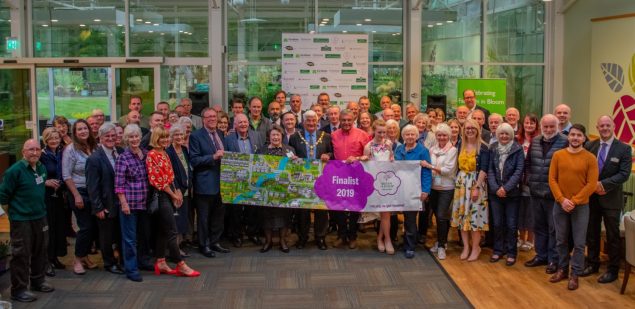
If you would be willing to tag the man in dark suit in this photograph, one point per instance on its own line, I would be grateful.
(614, 162)
(333, 114)
(156, 120)
(100, 183)
(243, 218)
(206, 152)
(479, 117)
(469, 98)
(311, 144)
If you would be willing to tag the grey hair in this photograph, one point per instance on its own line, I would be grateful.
(309, 113)
(130, 130)
(443, 128)
(409, 127)
(176, 128)
(105, 128)
(184, 120)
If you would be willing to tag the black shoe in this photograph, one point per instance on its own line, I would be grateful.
(589, 270)
(301, 244)
(266, 247)
(552, 268)
(24, 297)
(284, 248)
(237, 242)
(495, 258)
(114, 269)
(44, 287)
(535, 262)
(321, 244)
(218, 248)
(608, 277)
(510, 261)
(50, 272)
(136, 277)
(57, 264)
(255, 239)
(207, 252)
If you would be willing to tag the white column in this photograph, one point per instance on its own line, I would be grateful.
(412, 53)
(217, 47)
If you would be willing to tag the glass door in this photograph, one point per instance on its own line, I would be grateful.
(138, 81)
(16, 121)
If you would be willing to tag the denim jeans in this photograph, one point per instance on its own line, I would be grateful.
(576, 221)
(86, 222)
(128, 225)
(544, 230)
(410, 227)
(505, 215)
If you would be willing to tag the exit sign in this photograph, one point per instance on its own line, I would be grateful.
(12, 44)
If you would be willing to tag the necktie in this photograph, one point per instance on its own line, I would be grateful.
(602, 156)
(217, 144)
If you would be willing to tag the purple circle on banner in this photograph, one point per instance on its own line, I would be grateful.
(344, 186)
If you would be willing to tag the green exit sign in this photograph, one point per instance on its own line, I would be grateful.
(12, 44)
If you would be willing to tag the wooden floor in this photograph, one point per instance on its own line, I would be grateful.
(489, 285)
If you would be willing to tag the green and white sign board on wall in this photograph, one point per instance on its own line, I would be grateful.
(490, 93)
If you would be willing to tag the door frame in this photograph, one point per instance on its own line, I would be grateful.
(113, 80)
(31, 67)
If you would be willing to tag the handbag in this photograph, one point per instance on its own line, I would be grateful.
(153, 202)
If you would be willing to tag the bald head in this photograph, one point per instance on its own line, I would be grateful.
(563, 113)
(605, 127)
(31, 151)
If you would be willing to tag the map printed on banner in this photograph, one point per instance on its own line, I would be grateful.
(333, 63)
(274, 181)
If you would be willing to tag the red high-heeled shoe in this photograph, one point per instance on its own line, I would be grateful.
(158, 270)
(180, 273)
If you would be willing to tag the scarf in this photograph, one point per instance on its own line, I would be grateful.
(503, 152)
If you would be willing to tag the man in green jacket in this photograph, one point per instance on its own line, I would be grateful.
(22, 191)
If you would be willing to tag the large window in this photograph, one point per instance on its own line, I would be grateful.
(5, 29)
(78, 28)
(168, 28)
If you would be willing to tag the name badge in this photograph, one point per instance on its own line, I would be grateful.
(39, 180)
(615, 160)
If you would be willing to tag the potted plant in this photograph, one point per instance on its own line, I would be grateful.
(5, 248)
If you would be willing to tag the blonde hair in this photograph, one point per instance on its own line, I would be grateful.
(378, 123)
(48, 134)
(157, 134)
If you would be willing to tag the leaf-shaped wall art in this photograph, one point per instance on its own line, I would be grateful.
(631, 72)
(624, 119)
(614, 75)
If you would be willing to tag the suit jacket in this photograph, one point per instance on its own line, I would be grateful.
(299, 146)
(182, 179)
(487, 113)
(486, 135)
(206, 169)
(327, 128)
(616, 170)
(100, 182)
(256, 141)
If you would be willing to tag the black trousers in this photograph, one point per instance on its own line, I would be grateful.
(166, 230)
(441, 205)
(611, 218)
(243, 220)
(86, 222)
(28, 249)
(109, 235)
(321, 223)
(347, 224)
(210, 215)
(145, 238)
(56, 213)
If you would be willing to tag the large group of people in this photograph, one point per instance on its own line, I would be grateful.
(144, 190)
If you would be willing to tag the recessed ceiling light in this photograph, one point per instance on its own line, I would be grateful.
(322, 25)
(397, 33)
(325, 19)
(139, 19)
(162, 33)
(374, 31)
(119, 25)
(151, 31)
(450, 21)
(430, 26)
(359, 25)
(54, 20)
(180, 31)
(367, 19)
(45, 25)
(344, 31)
(155, 24)
(82, 25)
(189, 33)
(96, 20)
(148, 22)
(439, 24)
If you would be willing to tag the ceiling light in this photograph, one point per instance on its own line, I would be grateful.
(312, 32)
(374, 31)
(397, 33)
(325, 19)
(430, 26)
(322, 25)
(449, 21)
(151, 31)
(148, 22)
(344, 31)
(119, 25)
(162, 33)
(367, 19)
(139, 19)
(96, 20)
(45, 25)
(155, 24)
(439, 24)
(82, 25)
(180, 31)
(54, 20)
(358, 25)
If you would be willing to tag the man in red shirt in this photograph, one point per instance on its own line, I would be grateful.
(348, 145)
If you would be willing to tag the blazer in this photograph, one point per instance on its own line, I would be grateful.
(182, 180)
(206, 169)
(100, 182)
(255, 139)
(298, 145)
(616, 171)
(487, 113)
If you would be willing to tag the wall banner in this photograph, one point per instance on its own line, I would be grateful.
(490, 93)
(274, 181)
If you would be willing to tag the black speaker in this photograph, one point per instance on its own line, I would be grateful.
(437, 101)
(200, 100)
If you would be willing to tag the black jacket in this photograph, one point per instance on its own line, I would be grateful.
(538, 168)
(182, 180)
(616, 171)
(100, 182)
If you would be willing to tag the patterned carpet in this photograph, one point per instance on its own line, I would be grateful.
(245, 278)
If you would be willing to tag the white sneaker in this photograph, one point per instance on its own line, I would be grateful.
(441, 253)
(435, 247)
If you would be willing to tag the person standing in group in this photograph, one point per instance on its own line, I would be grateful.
(100, 183)
(539, 159)
(470, 208)
(365, 123)
(348, 145)
(22, 191)
(206, 150)
(180, 160)
(380, 149)
(197, 122)
(573, 177)
(443, 167)
(469, 98)
(526, 133)
(310, 144)
(56, 213)
(161, 178)
(606, 204)
(74, 174)
(131, 187)
(257, 122)
(504, 177)
(411, 150)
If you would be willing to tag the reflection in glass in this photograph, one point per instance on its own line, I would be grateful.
(5, 29)
(134, 81)
(185, 81)
(524, 86)
(385, 81)
(78, 28)
(254, 80)
(169, 28)
(442, 80)
(72, 93)
(15, 112)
